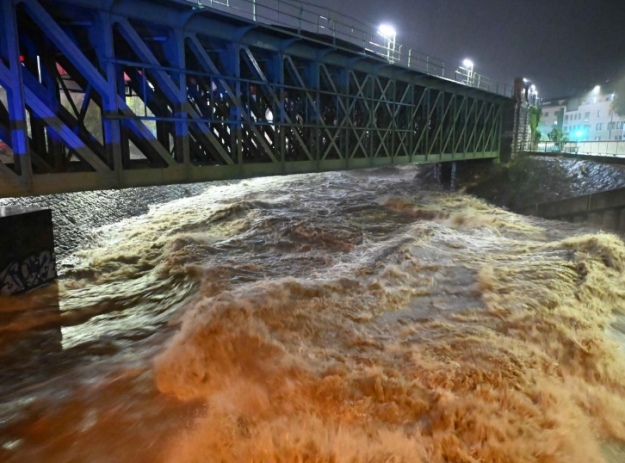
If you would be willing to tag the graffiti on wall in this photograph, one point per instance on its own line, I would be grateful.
(29, 273)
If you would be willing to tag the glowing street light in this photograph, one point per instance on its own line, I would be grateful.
(386, 30)
(533, 96)
(468, 65)
(390, 34)
(597, 89)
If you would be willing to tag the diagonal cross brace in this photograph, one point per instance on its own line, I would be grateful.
(254, 65)
(210, 67)
(61, 40)
(168, 87)
(49, 117)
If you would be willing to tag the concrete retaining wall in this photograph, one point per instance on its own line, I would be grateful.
(605, 209)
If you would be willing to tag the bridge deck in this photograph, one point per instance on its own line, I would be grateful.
(137, 92)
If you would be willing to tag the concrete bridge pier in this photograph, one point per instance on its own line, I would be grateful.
(27, 257)
(447, 173)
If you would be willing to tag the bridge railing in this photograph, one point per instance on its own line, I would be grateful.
(303, 17)
(587, 148)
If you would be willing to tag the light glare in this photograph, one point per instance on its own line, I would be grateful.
(386, 30)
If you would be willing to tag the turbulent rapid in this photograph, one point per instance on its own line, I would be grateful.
(329, 318)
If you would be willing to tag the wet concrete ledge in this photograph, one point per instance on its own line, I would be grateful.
(607, 159)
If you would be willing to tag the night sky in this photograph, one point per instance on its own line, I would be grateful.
(563, 46)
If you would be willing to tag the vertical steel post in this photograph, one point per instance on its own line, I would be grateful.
(15, 93)
(232, 62)
(110, 122)
(313, 82)
(176, 51)
(394, 133)
(48, 77)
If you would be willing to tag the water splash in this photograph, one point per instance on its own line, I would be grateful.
(338, 318)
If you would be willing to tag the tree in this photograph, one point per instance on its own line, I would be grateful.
(534, 117)
(558, 138)
(618, 105)
(537, 136)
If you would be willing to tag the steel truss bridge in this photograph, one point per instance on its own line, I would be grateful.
(120, 93)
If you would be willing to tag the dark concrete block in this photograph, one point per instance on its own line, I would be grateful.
(27, 257)
(610, 219)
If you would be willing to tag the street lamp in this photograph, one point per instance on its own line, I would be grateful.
(596, 91)
(533, 95)
(389, 33)
(468, 65)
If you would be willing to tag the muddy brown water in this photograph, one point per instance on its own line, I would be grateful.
(339, 317)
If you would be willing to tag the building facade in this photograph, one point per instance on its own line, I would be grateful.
(587, 117)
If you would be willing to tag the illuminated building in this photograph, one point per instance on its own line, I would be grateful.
(585, 117)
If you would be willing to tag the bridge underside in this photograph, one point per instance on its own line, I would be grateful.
(136, 92)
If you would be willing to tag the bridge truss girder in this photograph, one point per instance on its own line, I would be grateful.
(132, 92)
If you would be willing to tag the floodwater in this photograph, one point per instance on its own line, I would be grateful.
(340, 318)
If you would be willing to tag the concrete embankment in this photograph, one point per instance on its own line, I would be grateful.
(563, 188)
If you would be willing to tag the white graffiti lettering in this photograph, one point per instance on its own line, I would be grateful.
(27, 274)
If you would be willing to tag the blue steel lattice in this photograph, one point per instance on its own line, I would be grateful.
(137, 92)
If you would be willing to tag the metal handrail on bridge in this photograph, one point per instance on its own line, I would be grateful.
(304, 17)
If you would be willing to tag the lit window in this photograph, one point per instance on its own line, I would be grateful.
(598, 113)
(599, 126)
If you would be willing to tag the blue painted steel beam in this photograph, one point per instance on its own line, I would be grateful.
(209, 66)
(61, 40)
(15, 93)
(267, 100)
(111, 126)
(63, 131)
(174, 94)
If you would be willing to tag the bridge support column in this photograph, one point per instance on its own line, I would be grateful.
(447, 173)
(515, 130)
(26, 249)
